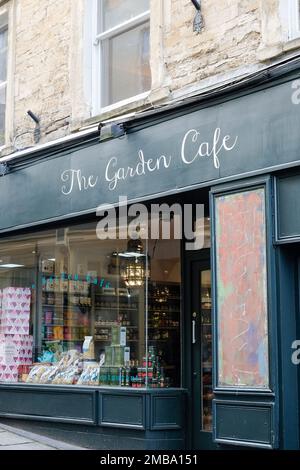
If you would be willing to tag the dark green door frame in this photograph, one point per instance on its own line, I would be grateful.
(194, 263)
(288, 265)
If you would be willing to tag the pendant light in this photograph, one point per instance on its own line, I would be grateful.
(133, 264)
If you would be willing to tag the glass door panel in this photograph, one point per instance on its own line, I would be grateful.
(201, 340)
(206, 351)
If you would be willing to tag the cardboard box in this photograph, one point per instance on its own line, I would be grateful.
(15, 343)
(15, 350)
(118, 335)
(8, 373)
(15, 312)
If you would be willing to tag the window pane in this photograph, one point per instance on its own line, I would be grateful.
(2, 113)
(206, 351)
(90, 297)
(126, 65)
(164, 305)
(17, 307)
(75, 312)
(114, 12)
(91, 307)
(3, 54)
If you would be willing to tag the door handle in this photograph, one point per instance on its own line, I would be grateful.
(193, 332)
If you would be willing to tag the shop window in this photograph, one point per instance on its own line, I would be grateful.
(121, 57)
(3, 73)
(76, 310)
(164, 305)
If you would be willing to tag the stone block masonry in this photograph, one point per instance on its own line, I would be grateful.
(51, 72)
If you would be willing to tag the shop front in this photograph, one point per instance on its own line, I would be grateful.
(169, 341)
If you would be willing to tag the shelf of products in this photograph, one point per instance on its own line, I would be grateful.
(66, 312)
(71, 369)
(102, 331)
(116, 325)
(164, 325)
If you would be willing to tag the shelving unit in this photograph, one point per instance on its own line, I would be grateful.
(68, 316)
(116, 310)
(164, 326)
(66, 311)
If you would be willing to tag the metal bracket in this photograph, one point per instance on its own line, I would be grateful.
(197, 4)
(37, 130)
(198, 20)
(4, 169)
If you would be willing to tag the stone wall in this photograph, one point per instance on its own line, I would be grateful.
(50, 65)
(42, 82)
(229, 40)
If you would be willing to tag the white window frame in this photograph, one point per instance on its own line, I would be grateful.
(4, 85)
(293, 19)
(97, 107)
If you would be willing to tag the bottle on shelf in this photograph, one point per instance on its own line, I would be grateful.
(127, 375)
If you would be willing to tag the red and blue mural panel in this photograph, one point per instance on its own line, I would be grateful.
(242, 307)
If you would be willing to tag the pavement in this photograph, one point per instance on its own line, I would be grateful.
(12, 438)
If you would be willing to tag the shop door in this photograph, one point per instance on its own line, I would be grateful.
(201, 321)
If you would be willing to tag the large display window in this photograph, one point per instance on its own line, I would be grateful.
(76, 310)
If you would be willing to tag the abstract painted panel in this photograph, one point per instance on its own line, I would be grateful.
(241, 290)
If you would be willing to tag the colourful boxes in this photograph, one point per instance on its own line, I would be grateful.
(15, 343)
(15, 312)
(15, 349)
(118, 335)
(8, 373)
(114, 355)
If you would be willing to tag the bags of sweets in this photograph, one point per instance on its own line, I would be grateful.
(90, 375)
(49, 375)
(67, 376)
(36, 372)
(69, 358)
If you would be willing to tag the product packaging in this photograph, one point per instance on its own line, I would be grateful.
(36, 373)
(8, 373)
(15, 313)
(118, 335)
(88, 348)
(16, 349)
(90, 375)
(104, 375)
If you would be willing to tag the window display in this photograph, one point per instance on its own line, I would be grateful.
(16, 344)
(76, 310)
(164, 328)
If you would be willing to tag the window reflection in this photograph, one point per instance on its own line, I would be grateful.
(89, 312)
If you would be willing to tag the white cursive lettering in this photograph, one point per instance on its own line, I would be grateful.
(192, 149)
(74, 178)
(114, 175)
(205, 149)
